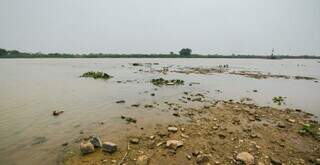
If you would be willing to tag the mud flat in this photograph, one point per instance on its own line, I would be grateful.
(218, 132)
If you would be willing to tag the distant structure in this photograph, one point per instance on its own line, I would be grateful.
(272, 54)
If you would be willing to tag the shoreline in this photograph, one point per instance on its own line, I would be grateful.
(217, 133)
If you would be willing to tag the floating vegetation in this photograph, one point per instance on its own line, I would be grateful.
(96, 75)
(310, 129)
(278, 100)
(161, 81)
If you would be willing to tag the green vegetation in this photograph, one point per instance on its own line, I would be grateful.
(16, 54)
(161, 81)
(278, 100)
(96, 75)
(185, 52)
(310, 129)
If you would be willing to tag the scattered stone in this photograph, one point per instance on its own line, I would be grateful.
(172, 129)
(245, 158)
(65, 144)
(86, 147)
(57, 113)
(291, 120)
(203, 158)
(142, 160)
(129, 119)
(96, 141)
(134, 140)
(174, 144)
(281, 125)
(176, 114)
(148, 106)
(109, 147)
(152, 94)
(120, 101)
(275, 161)
(135, 105)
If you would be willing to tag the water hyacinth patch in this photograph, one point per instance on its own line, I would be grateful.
(96, 75)
(161, 81)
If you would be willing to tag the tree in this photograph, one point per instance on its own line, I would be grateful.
(3, 52)
(185, 52)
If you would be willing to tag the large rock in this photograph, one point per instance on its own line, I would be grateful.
(86, 147)
(174, 144)
(96, 141)
(246, 158)
(109, 147)
(142, 160)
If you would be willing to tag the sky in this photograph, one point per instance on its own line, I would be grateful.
(161, 26)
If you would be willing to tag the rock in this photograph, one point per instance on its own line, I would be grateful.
(142, 160)
(202, 158)
(245, 158)
(176, 114)
(317, 161)
(96, 141)
(275, 161)
(65, 144)
(152, 94)
(291, 120)
(109, 147)
(184, 135)
(148, 106)
(134, 140)
(172, 129)
(129, 119)
(120, 101)
(174, 144)
(57, 113)
(281, 125)
(260, 163)
(188, 156)
(86, 147)
(135, 105)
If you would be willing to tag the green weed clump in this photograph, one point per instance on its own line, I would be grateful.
(310, 129)
(278, 100)
(96, 75)
(161, 81)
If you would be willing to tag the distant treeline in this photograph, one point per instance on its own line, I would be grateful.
(16, 54)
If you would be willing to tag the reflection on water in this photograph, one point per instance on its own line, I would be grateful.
(30, 89)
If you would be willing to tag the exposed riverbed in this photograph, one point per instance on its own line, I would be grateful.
(31, 89)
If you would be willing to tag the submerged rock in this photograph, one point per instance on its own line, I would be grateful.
(96, 141)
(245, 158)
(86, 147)
(109, 147)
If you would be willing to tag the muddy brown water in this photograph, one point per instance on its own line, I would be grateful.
(30, 89)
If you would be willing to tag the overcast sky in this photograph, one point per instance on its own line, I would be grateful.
(161, 26)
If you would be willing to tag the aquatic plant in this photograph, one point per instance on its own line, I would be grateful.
(96, 75)
(161, 81)
(278, 100)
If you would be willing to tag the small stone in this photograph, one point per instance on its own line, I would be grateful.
(135, 105)
(281, 125)
(120, 101)
(86, 147)
(291, 120)
(134, 140)
(246, 158)
(172, 129)
(152, 137)
(96, 141)
(152, 94)
(184, 135)
(176, 114)
(65, 144)
(57, 113)
(275, 161)
(188, 156)
(109, 147)
(130, 119)
(202, 158)
(142, 160)
(174, 144)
